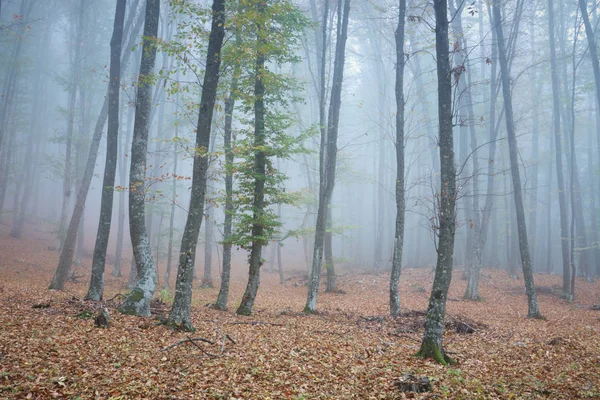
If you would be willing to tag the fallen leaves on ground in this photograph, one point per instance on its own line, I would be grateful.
(350, 349)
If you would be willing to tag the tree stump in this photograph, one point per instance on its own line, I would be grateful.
(102, 320)
(411, 383)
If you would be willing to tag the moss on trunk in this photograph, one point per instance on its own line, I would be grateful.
(430, 349)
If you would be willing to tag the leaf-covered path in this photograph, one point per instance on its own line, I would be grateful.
(351, 349)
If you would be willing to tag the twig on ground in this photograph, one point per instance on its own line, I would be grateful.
(189, 339)
(230, 339)
(253, 323)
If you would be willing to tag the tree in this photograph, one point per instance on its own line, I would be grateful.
(114, 86)
(223, 296)
(260, 164)
(431, 346)
(533, 308)
(400, 202)
(564, 232)
(66, 255)
(180, 312)
(138, 301)
(328, 159)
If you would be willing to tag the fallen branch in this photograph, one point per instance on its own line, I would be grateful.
(230, 339)
(253, 323)
(189, 339)
(115, 296)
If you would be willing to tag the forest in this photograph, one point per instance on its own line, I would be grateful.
(303, 199)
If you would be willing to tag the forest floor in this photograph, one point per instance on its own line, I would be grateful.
(350, 349)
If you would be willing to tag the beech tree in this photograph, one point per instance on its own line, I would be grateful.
(138, 301)
(431, 346)
(180, 312)
(110, 171)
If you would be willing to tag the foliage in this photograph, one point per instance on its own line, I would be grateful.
(285, 25)
(343, 353)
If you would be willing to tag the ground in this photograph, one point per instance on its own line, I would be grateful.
(350, 349)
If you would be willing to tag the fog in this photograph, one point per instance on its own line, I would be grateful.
(54, 73)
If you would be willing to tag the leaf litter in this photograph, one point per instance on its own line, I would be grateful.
(350, 349)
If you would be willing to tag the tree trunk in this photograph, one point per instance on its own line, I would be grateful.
(328, 252)
(117, 267)
(96, 288)
(39, 101)
(431, 346)
(138, 302)
(223, 296)
(66, 255)
(173, 203)
(255, 259)
(593, 55)
(533, 308)
(564, 232)
(180, 312)
(328, 162)
(399, 145)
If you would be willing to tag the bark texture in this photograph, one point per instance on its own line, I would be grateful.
(533, 307)
(138, 301)
(96, 288)
(431, 346)
(329, 157)
(180, 312)
(400, 200)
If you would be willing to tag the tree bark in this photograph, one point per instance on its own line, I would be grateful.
(180, 312)
(117, 267)
(431, 346)
(533, 308)
(399, 146)
(66, 256)
(96, 288)
(223, 296)
(329, 162)
(260, 160)
(564, 232)
(138, 301)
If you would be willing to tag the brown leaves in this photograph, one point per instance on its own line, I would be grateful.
(350, 349)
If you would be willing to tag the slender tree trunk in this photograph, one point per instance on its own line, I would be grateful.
(593, 56)
(223, 296)
(117, 267)
(399, 146)
(260, 161)
(533, 308)
(7, 103)
(328, 252)
(592, 195)
(173, 203)
(208, 246)
(329, 163)
(66, 256)
(431, 346)
(180, 312)
(96, 288)
(39, 100)
(564, 232)
(138, 301)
